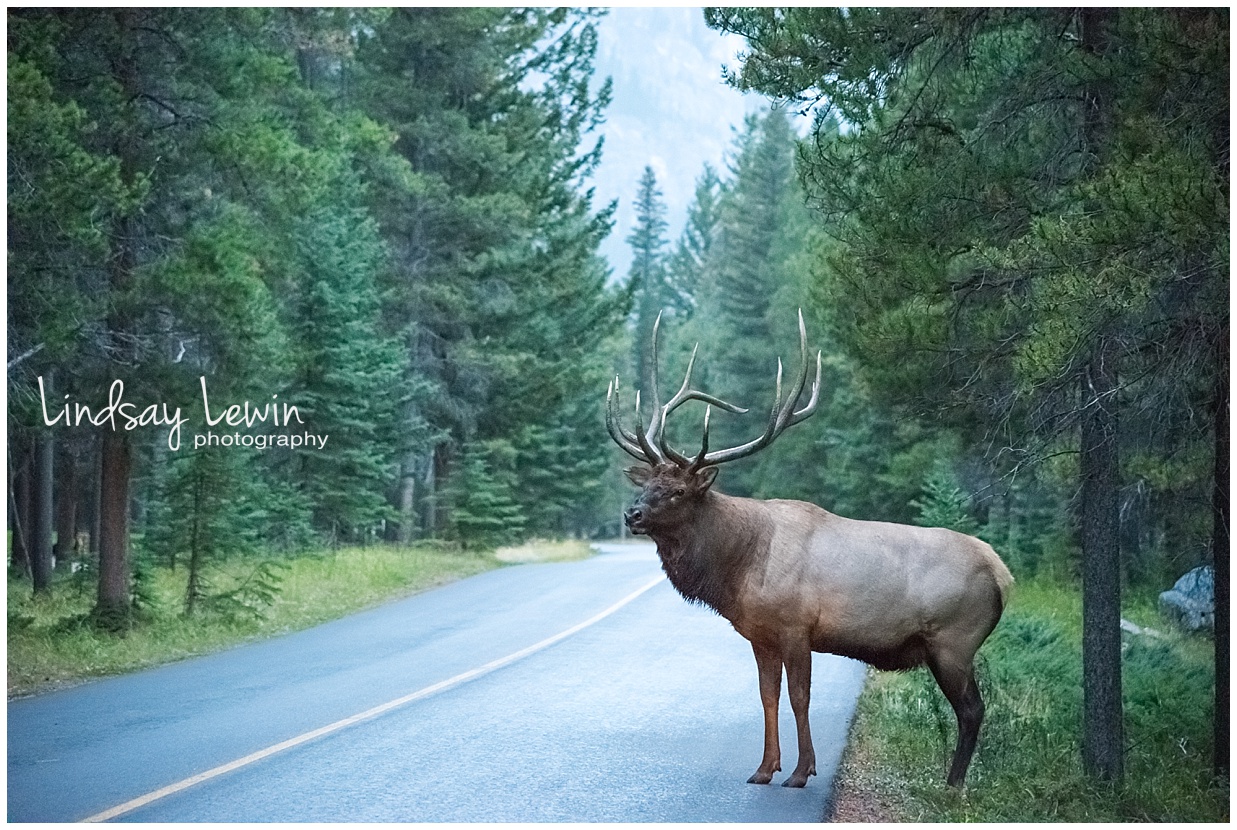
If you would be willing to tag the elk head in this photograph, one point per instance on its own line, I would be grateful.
(673, 483)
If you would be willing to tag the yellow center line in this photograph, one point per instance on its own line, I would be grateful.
(420, 694)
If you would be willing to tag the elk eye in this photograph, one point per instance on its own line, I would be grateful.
(679, 493)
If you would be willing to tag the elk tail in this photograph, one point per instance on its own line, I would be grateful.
(1000, 574)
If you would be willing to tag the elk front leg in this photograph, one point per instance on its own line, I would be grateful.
(769, 668)
(799, 681)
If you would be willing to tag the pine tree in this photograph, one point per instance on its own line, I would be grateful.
(484, 513)
(693, 255)
(208, 509)
(752, 219)
(347, 385)
(152, 83)
(755, 244)
(647, 279)
(944, 503)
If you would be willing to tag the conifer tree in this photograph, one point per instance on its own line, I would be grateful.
(347, 382)
(483, 510)
(694, 253)
(750, 267)
(647, 280)
(943, 503)
(209, 508)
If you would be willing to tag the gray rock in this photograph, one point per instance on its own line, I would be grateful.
(1191, 601)
(1138, 631)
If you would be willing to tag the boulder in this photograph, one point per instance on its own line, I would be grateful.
(1191, 601)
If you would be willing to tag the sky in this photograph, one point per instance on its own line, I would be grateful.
(671, 110)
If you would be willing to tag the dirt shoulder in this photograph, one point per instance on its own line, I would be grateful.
(857, 793)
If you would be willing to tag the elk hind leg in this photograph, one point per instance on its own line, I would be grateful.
(769, 668)
(956, 677)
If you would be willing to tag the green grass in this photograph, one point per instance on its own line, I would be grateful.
(50, 645)
(1028, 767)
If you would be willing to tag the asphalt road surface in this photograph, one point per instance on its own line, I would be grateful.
(586, 691)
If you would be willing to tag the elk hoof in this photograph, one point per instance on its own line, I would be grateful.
(760, 777)
(798, 779)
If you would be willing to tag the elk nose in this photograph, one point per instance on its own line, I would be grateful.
(632, 515)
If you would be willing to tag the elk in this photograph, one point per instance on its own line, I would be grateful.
(793, 578)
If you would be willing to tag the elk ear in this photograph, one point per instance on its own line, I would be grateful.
(638, 476)
(704, 479)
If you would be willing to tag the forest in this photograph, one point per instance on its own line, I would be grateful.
(286, 279)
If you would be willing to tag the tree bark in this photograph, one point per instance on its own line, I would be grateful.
(116, 454)
(19, 504)
(193, 589)
(1103, 736)
(96, 497)
(66, 503)
(1220, 554)
(112, 607)
(407, 499)
(40, 541)
(431, 507)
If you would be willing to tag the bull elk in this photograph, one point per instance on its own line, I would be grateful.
(794, 578)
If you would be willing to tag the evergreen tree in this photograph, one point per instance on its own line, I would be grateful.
(748, 311)
(155, 85)
(693, 255)
(943, 503)
(347, 381)
(751, 220)
(484, 513)
(209, 509)
(217, 153)
(238, 195)
(648, 278)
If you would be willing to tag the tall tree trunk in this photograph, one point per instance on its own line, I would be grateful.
(41, 513)
(1103, 734)
(1220, 554)
(407, 499)
(116, 455)
(193, 590)
(1102, 750)
(96, 497)
(112, 607)
(19, 506)
(66, 503)
(431, 506)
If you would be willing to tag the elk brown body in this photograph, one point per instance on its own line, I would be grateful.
(793, 578)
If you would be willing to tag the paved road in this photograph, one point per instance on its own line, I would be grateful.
(650, 712)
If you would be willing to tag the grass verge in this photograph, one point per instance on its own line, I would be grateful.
(544, 550)
(1028, 767)
(50, 644)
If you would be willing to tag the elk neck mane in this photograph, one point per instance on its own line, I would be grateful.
(704, 559)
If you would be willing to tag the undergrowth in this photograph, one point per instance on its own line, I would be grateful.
(1028, 767)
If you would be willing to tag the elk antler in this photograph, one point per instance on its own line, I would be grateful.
(783, 415)
(651, 446)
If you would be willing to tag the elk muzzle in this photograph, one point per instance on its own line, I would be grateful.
(634, 517)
